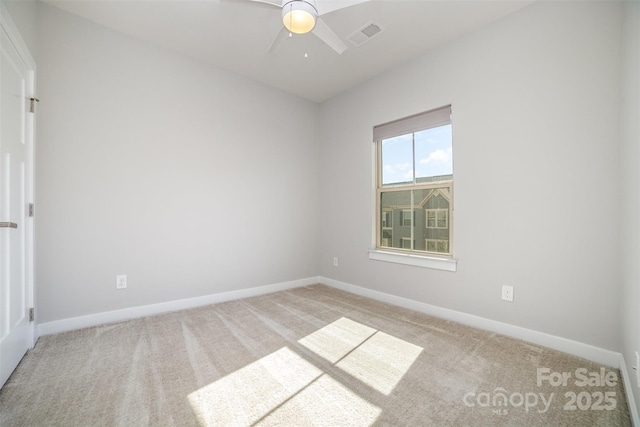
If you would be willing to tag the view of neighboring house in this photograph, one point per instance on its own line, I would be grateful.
(418, 219)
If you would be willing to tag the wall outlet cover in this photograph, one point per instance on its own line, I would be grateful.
(507, 293)
(121, 281)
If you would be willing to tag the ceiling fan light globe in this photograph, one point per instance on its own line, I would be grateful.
(299, 16)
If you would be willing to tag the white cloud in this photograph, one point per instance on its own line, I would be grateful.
(398, 168)
(403, 166)
(438, 157)
(398, 172)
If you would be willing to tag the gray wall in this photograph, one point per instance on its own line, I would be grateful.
(535, 101)
(153, 164)
(630, 189)
(24, 15)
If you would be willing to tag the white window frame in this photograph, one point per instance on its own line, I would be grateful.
(379, 252)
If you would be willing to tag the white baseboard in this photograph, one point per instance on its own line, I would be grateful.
(628, 389)
(586, 351)
(80, 322)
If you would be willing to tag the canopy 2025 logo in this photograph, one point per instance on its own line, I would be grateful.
(582, 377)
(500, 401)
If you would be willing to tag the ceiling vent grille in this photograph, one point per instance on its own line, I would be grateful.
(364, 34)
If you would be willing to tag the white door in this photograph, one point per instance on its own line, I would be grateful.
(16, 191)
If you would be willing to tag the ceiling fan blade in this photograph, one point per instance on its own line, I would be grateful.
(276, 3)
(264, 3)
(327, 6)
(277, 42)
(327, 35)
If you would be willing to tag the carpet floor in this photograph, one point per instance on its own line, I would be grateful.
(310, 356)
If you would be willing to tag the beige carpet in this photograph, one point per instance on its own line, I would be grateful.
(308, 356)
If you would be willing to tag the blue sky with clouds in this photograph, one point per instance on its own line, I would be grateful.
(433, 155)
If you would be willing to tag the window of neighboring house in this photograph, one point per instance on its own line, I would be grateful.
(434, 245)
(414, 180)
(387, 219)
(407, 243)
(407, 217)
(437, 218)
(387, 239)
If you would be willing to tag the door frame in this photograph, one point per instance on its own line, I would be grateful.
(8, 26)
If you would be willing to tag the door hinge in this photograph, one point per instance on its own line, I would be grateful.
(32, 314)
(32, 106)
(31, 209)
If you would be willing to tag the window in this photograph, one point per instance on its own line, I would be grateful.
(407, 243)
(386, 240)
(437, 218)
(414, 181)
(437, 245)
(387, 219)
(407, 217)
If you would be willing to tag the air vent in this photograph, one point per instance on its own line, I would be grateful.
(365, 34)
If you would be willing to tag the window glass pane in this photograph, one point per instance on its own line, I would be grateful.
(440, 246)
(420, 196)
(386, 239)
(431, 218)
(407, 217)
(442, 218)
(435, 235)
(387, 219)
(397, 160)
(395, 205)
(433, 160)
(421, 219)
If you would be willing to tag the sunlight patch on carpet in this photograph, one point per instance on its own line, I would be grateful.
(283, 388)
(325, 402)
(247, 395)
(378, 359)
(337, 339)
(280, 389)
(381, 361)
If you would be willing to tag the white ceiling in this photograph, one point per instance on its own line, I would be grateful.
(236, 35)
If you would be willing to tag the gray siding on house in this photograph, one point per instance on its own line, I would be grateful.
(398, 225)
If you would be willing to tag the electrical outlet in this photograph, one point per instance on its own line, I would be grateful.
(121, 281)
(335, 261)
(507, 293)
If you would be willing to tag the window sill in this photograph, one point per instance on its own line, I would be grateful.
(447, 264)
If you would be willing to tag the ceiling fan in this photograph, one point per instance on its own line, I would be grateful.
(303, 16)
